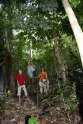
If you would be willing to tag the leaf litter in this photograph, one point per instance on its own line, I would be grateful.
(16, 111)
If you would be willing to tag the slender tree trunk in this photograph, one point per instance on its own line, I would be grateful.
(59, 58)
(10, 73)
(9, 63)
(75, 27)
(58, 55)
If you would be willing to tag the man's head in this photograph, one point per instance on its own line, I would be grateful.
(20, 71)
(42, 69)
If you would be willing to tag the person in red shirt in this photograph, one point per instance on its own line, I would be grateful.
(21, 83)
(43, 81)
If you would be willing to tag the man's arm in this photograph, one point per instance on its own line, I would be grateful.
(46, 76)
(17, 83)
(24, 78)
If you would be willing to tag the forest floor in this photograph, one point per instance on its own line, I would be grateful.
(16, 110)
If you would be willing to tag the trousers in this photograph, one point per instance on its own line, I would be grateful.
(19, 90)
(44, 85)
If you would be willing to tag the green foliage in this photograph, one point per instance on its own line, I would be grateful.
(8, 3)
(3, 102)
(75, 3)
(78, 13)
(50, 6)
(9, 94)
(68, 44)
(48, 109)
(67, 96)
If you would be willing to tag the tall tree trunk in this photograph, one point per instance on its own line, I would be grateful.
(75, 27)
(59, 58)
(9, 62)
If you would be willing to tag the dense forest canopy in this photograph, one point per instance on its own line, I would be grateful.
(31, 27)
